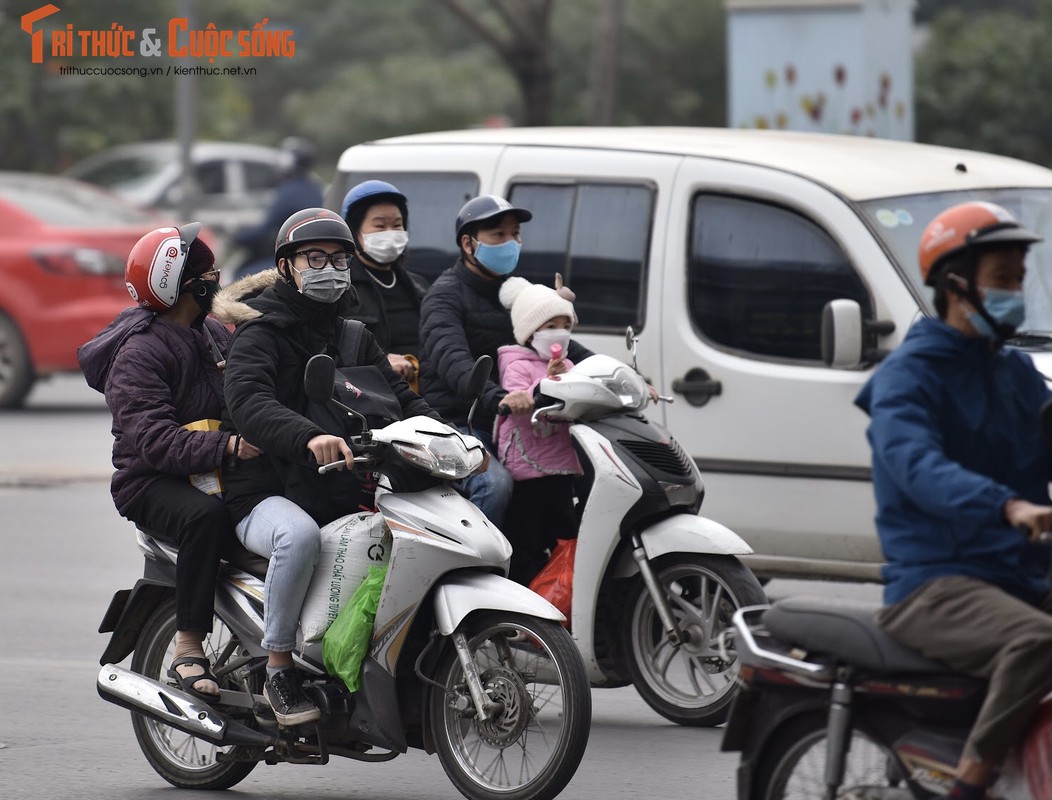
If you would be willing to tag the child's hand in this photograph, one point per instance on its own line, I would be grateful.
(518, 402)
(557, 366)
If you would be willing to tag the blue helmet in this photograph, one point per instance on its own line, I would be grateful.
(367, 193)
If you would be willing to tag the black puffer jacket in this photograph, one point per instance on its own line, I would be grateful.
(370, 308)
(267, 404)
(462, 318)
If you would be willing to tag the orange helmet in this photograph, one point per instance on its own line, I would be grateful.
(154, 273)
(967, 225)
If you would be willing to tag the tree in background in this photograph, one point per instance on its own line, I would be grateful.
(518, 30)
(983, 80)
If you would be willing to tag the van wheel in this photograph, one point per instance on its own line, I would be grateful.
(16, 372)
(693, 683)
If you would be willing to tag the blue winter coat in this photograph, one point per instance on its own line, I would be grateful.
(955, 432)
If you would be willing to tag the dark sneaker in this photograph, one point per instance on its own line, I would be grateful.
(285, 694)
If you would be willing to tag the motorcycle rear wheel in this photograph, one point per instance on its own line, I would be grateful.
(532, 748)
(792, 765)
(182, 760)
(691, 684)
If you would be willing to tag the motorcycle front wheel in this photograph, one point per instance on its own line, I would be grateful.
(792, 766)
(531, 747)
(181, 759)
(692, 683)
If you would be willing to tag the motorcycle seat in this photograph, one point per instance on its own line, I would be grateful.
(234, 554)
(846, 630)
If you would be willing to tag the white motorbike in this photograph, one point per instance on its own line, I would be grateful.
(462, 661)
(654, 584)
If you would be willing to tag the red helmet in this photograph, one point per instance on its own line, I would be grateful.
(967, 225)
(154, 273)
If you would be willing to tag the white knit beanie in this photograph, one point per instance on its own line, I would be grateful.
(532, 305)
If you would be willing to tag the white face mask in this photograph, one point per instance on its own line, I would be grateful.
(543, 340)
(384, 247)
(324, 285)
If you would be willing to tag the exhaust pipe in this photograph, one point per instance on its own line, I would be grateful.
(172, 707)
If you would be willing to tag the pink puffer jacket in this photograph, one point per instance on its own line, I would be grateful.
(528, 452)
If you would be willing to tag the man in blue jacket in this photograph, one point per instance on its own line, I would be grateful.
(961, 481)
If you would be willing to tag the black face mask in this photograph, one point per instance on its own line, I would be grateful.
(204, 293)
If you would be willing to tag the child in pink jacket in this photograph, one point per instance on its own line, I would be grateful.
(540, 458)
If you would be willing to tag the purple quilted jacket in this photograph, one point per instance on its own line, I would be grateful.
(157, 376)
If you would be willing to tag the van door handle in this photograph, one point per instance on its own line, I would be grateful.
(697, 386)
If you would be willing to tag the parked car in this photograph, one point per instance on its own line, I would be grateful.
(63, 247)
(724, 250)
(234, 182)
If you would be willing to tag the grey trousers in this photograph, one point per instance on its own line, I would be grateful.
(981, 630)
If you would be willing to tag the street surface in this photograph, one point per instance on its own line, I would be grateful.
(64, 551)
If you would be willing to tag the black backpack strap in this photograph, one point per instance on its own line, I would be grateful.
(351, 341)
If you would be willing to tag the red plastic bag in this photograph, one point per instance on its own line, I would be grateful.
(555, 582)
(1037, 753)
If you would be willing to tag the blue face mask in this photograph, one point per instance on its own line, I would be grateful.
(500, 259)
(1004, 306)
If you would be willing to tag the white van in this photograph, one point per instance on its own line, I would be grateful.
(722, 249)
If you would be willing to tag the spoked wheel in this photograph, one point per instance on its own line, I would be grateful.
(181, 759)
(692, 683)
(793, 766)
(532, 745)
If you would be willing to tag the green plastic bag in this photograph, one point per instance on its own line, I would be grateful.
(346, 642)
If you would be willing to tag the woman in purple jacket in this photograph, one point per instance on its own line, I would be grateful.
(160, 367)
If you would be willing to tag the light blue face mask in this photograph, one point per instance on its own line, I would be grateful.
(1006, 307)
(500, 259)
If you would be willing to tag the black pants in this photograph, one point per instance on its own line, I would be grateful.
(541, 510)
(200, 526)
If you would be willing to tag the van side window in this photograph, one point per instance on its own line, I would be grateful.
(598, 236)
(760, 275)
(434, 198)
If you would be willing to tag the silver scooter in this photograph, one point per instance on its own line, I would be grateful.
(463, 662)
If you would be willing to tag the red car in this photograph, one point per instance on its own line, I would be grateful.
(63, 246)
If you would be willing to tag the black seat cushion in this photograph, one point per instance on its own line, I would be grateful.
(846, 630)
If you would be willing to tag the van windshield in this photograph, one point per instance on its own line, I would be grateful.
(899, 222)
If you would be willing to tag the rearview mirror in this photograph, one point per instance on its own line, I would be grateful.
(479, 375)
(318, 378)
(477, 382)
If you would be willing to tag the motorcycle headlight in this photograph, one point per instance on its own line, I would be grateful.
(629, 387)
(441, 456)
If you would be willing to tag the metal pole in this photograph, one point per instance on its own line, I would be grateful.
(186, 127)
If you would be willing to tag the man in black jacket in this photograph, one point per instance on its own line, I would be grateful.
(462, 318)
(280, 501)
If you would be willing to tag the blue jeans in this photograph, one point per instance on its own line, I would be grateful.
(286, 534)
(490, 491)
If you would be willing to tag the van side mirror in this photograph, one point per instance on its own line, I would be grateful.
(847, 338)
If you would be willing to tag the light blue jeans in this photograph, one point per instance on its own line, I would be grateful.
(286, 534)
(490, 491)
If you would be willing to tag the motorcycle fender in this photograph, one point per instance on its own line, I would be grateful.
(460, 594)
(686, 533)
(127, 614)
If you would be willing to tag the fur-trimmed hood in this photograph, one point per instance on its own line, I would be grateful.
(229, 305)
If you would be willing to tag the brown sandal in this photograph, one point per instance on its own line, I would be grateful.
(187, 682)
